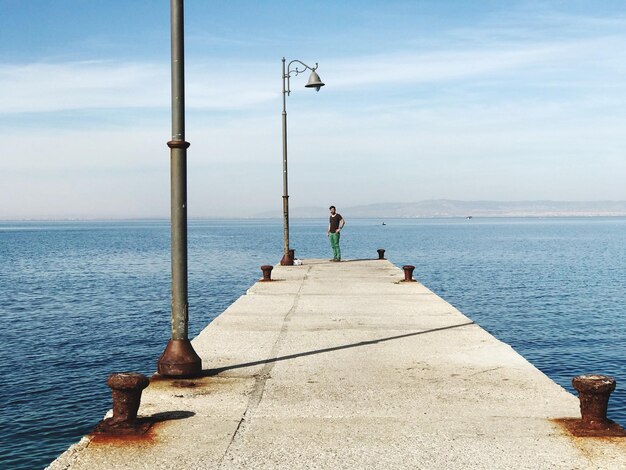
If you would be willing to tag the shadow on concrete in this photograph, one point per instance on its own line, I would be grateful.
(212, 372)
(170, 416)
(324, 261)
(360, 259)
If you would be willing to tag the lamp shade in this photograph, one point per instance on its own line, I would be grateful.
(314, 81)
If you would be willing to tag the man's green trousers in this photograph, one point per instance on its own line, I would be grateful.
(334, 243)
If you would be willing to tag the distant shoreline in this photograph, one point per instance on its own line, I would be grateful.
(323, 217)
(426, 209)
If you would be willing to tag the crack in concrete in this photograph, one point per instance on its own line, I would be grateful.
(261, 379)
(484, 371)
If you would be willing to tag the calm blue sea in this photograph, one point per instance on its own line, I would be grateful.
(79, 300)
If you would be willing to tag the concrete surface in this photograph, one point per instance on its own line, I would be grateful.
(340, 365)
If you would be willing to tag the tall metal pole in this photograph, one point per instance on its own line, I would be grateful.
(287, 260)
(314, 82)
(179, 358)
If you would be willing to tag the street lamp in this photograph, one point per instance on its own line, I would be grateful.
(314, 82)
(179, 358)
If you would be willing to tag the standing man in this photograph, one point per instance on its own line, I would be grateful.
(335, 224)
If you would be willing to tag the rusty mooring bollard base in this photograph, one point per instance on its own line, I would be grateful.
(267, 273)
(577, 428)
(594, 391)
(408, 273)
(126, 388)
(109, 428)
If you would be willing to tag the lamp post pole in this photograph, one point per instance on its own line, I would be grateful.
(314, 82)
(287, 260)
(179, 358)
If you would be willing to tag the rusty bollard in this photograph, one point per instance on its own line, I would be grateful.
(594, 391)
(381, 253)
(126, 388)
(267, 272)
(408, 273)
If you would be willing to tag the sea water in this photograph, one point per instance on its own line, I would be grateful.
(79, 300)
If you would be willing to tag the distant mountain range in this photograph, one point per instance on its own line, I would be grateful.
(452, 208)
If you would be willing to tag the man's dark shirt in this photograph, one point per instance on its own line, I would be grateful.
(334, 222)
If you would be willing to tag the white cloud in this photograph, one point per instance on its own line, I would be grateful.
(43, 87)
(241, 85)
(509, 114)
(484, 61)
(95, 150)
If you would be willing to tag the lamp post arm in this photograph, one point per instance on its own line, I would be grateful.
(296, 71)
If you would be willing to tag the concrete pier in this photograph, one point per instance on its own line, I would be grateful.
(342, 365)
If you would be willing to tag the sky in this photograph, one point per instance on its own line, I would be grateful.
(468, 100)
